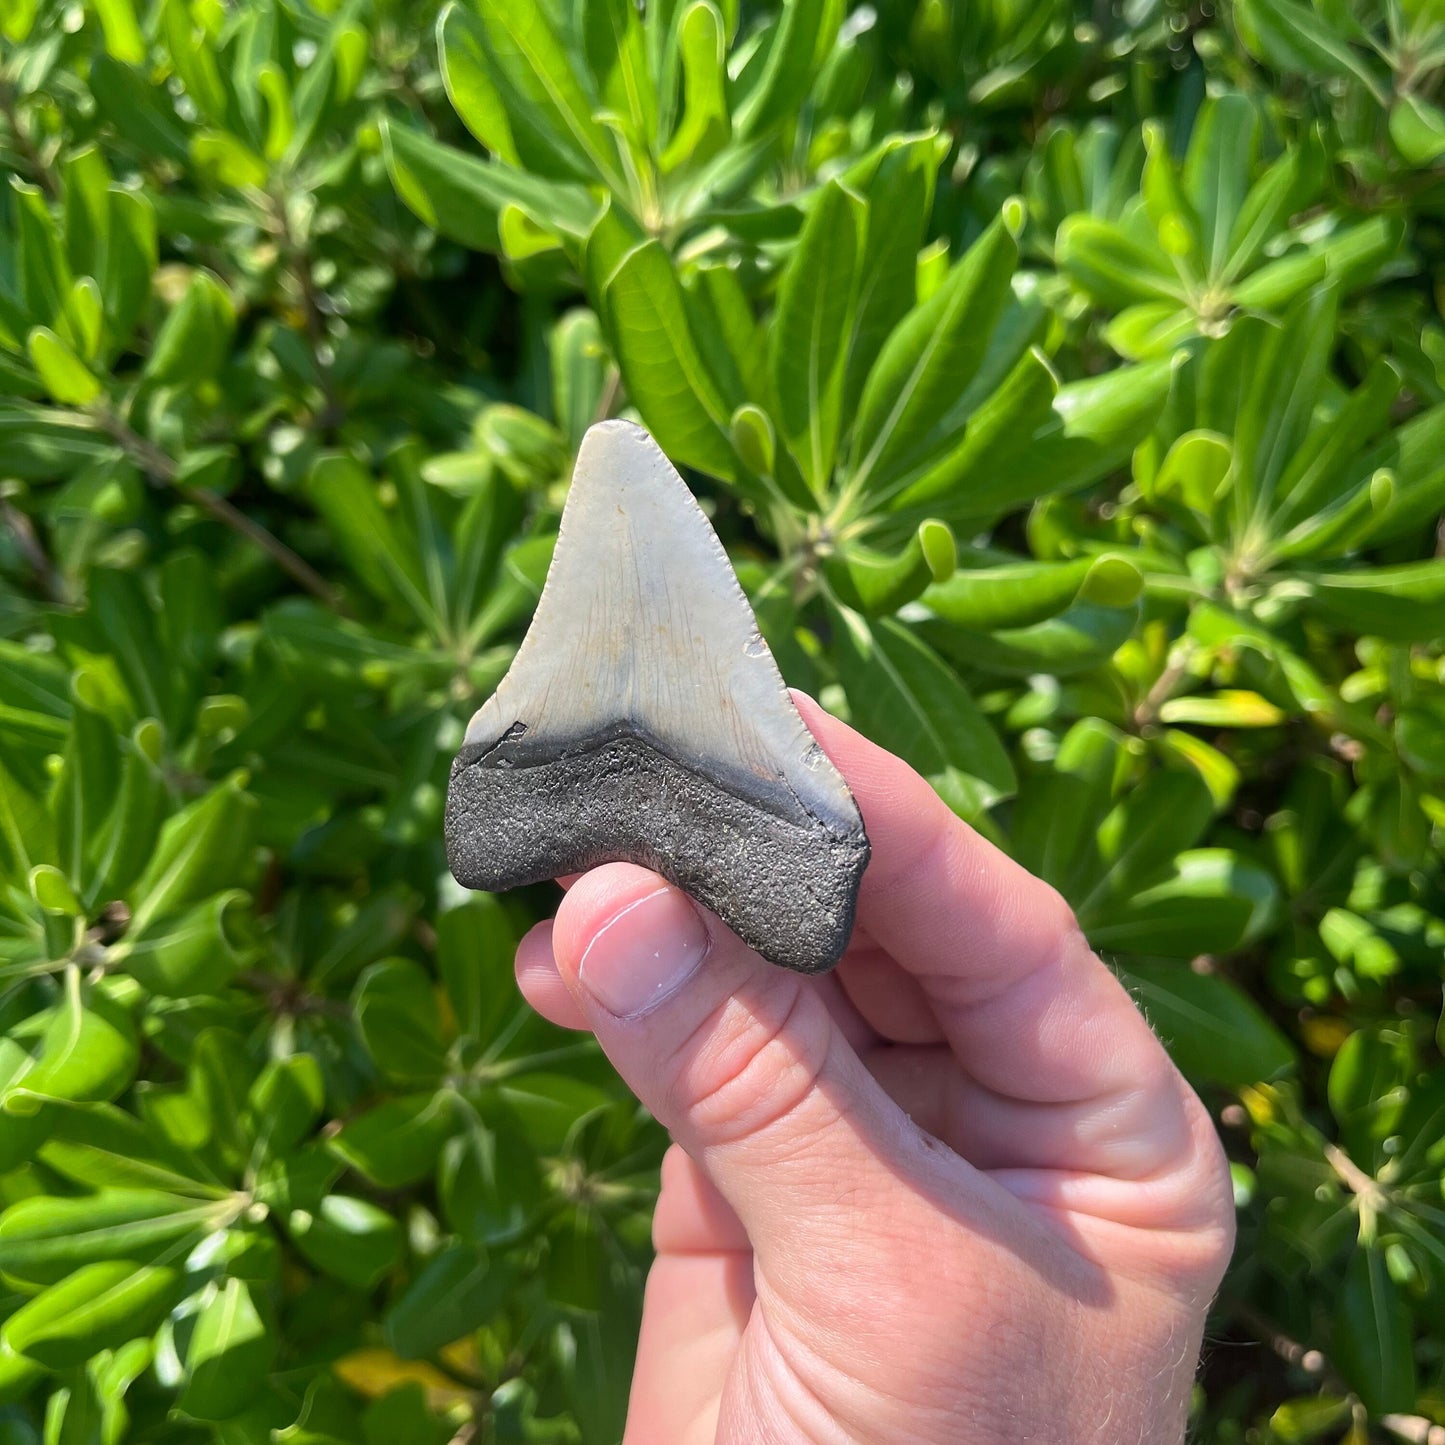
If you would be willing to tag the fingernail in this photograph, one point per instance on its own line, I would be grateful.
(644, 954)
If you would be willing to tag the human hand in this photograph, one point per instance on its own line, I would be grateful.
(953, 1192)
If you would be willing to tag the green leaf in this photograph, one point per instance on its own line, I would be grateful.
(808, 338)
(66, 377)
(1217, 172)
(87, 1052)
(1170, 212)
(1418, 129)
(706, 125)
(1405, 602)
(878, 582)
(575, 1261)
(195, 340)
(397, 1143)
(1308, 1419)
(123, 37)
(930, 357)
(17, 1377)
(43, 1239)
(102, 1147)
(396, 1014)
(350, 1239)
(1213, 901)
(902, 694)
(1214, 1031)
(803, 30)
(476, 945)
(139, 110)
(459, 1291)
(21, 1135)
(130, 260)
(195, 952)
(1195, 470)
(552, 116)
(98, 1307)
(229, 1356)
(1019, 594)
(1114, 266)
(202, 848)
(681, 404)
(285, 1103)
(1034, 438)
(1364, 1091)
(1374, 1347)
(1297, 37)
(461, 50)
(617, 55)
(275, 90)
(463, 197)
(490, 1184)
(1146, 830)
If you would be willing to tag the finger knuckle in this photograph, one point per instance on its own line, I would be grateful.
(756, 1065)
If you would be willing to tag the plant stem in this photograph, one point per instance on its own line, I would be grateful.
(46, 573)
(298, 259)
(158, 465)
(29, 152)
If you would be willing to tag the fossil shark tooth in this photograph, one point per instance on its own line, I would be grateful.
(644, 720)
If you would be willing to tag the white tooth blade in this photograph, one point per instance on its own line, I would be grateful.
(644, 719)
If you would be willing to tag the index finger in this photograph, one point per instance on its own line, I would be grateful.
(1028, 1008)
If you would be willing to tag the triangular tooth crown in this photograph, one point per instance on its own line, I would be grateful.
(644, 719)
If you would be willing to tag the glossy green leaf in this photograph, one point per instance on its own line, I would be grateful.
(1019, 594)
(1418, 129)
(1212, 901)
(88, 1051)
(1214, 1031)
(475, 949)
(463, 197)
(551, 114)
(681, 403)
(285, 1103)
(397, 1143)
(1404, 602)
(807, 346)
(42, 1240)
(801, 31)
(705, 125)
(202, 848)
(461, 48)
(66, 376)
(459, 1291)
(900, 692)
(396, 1014)
(1373, 1334)
(96, 1308)
(229, 1355)
(195, 340)
(930, 357)
(350, 1239)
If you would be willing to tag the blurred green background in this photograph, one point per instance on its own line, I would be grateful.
(1068, 384)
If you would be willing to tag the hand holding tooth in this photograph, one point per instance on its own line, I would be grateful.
(952, 1191)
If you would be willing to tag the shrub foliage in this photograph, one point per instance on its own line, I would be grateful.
(1068, 384)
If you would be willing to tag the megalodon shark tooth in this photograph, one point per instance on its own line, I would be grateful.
(644, 720)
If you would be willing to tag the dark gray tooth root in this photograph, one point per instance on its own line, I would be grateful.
(644, 720)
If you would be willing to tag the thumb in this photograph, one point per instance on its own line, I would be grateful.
(740, 1061)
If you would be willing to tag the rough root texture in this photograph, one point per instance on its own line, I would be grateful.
(787, 890)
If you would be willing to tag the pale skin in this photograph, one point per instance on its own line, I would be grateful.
(953, 1192)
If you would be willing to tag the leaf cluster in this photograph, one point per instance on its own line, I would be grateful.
(1068, 386)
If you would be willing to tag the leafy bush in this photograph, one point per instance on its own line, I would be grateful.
(1069, 387)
